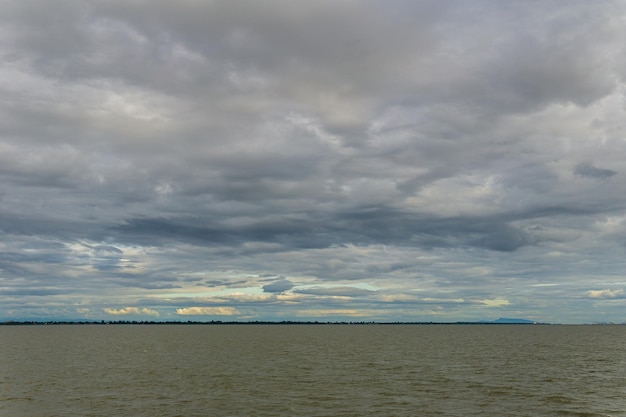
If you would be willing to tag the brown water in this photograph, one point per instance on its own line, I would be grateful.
(312, 370)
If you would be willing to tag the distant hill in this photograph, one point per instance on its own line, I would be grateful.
(504, 320)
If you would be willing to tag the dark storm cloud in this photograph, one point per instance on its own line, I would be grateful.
(158, 151)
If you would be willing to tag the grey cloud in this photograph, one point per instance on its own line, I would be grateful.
(536, 63)
(144, 284)
(367, 227)
(505, 239)
(38, 292)
(589, 171)
(335, 291)
(107, 250)
(224, 283)
(278, 286)
(158, 231)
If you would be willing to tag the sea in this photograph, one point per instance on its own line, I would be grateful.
(328, 370)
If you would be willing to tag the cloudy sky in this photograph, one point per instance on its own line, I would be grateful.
(320, 160)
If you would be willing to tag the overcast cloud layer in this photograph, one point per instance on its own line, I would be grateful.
(320, 160)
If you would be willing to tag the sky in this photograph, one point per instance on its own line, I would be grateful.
(313, 160)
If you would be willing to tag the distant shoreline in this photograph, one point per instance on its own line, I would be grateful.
(278, 323)
(282, 323)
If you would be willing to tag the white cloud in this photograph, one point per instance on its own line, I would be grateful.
(495, 302)
(404, 298)
(332, 312)
(131, 310)
(207, 311)
(605, 293)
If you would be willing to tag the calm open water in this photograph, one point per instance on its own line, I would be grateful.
(312, 370)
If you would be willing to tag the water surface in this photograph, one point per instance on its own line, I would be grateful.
(312, 370)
